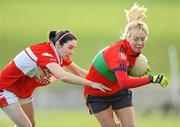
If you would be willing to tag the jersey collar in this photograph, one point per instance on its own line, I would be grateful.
(57, 56)
(129, 49)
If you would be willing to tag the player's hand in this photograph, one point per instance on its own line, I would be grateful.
(161, 79)
(99, 86)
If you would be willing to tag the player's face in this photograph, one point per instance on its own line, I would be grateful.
(137, 40)
(67, 50)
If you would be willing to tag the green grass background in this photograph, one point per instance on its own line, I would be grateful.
(73, 118)
(96, 24)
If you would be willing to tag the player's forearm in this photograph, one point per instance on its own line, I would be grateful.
(75, 69)
(125, 82)
(80, 73)
(59, 73)
(83, 73)
(70, 78)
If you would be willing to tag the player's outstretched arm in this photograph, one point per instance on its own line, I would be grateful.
(75, 69)
(61, 74)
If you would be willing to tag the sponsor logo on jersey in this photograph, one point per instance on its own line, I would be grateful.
(46, 54)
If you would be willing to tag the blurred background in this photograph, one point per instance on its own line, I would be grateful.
(96, 23)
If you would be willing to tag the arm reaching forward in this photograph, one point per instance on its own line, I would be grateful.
(60, 74)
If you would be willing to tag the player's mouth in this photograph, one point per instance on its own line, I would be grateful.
(68, 56)
(138, 48)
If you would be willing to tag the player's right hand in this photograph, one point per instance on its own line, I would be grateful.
(161, 79)
(100, 86)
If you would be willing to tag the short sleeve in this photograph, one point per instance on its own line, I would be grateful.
(46, 58)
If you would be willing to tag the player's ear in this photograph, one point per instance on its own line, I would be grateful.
(57, 45)
(128, 35)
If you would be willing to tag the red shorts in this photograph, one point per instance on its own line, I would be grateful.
(7, 98)
(13, 79)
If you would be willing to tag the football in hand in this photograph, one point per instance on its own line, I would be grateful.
(140, 66)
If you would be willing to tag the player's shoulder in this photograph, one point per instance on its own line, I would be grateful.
(117, 45)
(114, 49)
(40, 45)
(42, 48)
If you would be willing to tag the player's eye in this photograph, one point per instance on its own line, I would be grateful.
(143, 39)
(136, 39)
(71, 47)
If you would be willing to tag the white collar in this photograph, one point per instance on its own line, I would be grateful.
(57, 56)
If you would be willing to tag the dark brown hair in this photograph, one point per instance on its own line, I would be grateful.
(62, 37)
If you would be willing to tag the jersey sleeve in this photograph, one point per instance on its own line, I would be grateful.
(118, 65)
(126, 82)
(46, 58)
(117, 61)
(66, 63)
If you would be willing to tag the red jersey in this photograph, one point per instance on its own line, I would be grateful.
(20, 75)
(110, 67)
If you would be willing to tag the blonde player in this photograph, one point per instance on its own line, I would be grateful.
(110, 67)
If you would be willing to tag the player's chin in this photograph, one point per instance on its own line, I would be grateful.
(138, 50)
(66, 58)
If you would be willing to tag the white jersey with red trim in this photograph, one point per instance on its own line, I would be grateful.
(28, 69)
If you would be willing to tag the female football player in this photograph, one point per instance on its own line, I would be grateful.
(110, 67)
(38, 65)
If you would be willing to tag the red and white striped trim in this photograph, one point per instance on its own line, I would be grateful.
(31, 54)
(26, 61)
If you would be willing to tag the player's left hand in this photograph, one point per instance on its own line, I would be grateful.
(162, 79)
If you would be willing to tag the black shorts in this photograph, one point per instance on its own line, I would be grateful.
(119, 100)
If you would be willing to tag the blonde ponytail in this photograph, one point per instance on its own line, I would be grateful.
(136, 13)
(135, 16)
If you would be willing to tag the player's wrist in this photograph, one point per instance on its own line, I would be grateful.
(91, 83)
(151, 78)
